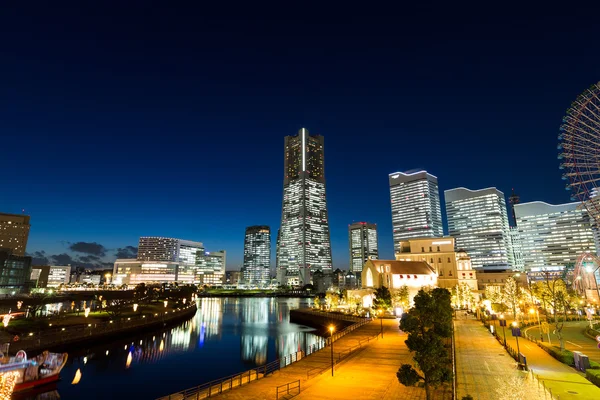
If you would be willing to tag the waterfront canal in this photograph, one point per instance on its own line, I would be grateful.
(225, 337)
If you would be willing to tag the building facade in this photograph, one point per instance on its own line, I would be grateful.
(478, 221)
(304, 244)
(15, 272)
(553, 235)
(211, 268)
(362, 242)
(416, 210)
(256, 270)
(451, 267)
(14, 233)
(58, 275)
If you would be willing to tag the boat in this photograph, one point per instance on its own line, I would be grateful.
(21, 374)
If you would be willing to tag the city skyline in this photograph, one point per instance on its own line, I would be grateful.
(97, 121)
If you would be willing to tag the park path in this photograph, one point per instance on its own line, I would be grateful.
(482, 362)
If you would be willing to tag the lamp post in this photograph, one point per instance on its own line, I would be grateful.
(331, 339)
(381, 321)
(515, 324)
(503, 331)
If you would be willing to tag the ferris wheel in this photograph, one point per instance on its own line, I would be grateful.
(580, 144)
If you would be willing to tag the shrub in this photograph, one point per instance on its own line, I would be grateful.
(594, 365)
(593, 375)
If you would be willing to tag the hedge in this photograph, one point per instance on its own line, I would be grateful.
(565, 356)
(593, 375)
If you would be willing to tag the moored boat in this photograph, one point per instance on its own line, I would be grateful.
(20, 374)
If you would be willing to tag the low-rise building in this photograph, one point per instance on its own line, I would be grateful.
(452, 267)
(394, 274)
(58, 275)
(498, 278)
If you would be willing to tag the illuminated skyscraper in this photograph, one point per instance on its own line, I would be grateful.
(478, 221)
(553, 235)
(304, 243)
(257, 255)
(362, 239)
(14, 232)
(416, 208)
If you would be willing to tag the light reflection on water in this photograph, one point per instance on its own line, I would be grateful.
(225, 337)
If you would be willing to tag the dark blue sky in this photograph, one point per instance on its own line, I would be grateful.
(169, 121)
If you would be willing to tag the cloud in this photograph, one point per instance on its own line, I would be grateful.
(39, 258)
(62, 259)
(93, 248)
(126, 252)
(88, 259)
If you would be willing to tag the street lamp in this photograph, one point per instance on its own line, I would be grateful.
(515, 324)
(503, 324)
(331, 329)
(381, 321)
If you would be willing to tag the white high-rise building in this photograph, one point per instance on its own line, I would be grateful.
(553, 235)
(304, 245)
(257, 256)
(362, 239)
(478, 221)
(517, 247)
(416, 210)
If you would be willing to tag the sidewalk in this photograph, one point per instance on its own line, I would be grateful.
(482, 364)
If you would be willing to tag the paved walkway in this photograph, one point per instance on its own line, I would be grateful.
(564, 381)
(574, 336)
(369, 373)
(482, 364)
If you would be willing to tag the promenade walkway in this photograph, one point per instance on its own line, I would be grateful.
(368, 373)
(482, 364)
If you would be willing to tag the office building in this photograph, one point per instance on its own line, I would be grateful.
(451, 267)
(151, 248)
(478, 221)
(517, 249)
(15, 272)
(58, 275)
(211, 268)
(233, 278)
(416, 211)
(362, 239)
(257, 256)
(14, 232)
(553, 235)
(304, 243)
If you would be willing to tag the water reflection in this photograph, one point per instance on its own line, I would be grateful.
(226, 336)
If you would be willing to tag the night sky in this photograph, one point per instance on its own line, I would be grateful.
(152, 120)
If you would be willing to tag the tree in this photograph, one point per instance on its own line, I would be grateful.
(512, 295)
(383, 299)
(39, 301)
(462, 296)
(428, 323)
(401, 298)
(116, 309)
(332, 300)
(559, 297)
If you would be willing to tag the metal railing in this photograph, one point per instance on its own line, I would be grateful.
(284, 390)
(220, 385)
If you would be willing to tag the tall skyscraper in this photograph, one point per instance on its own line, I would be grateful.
(257, 255)
(14, 232)
(304, 243)
(553, 235)
(416, 208)
(478, 221)
(362, 239)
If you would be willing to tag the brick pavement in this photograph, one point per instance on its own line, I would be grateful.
(481, 362)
